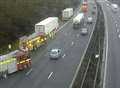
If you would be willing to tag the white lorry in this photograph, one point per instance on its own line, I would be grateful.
(48, 26)
(14, 61)
(67, 13)
(114, 7)
(89, 20)
(78, 21)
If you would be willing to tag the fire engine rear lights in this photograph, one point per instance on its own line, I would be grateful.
(42, 40)
(38, 41)
(27, 42)
(30, 44)
(34, 39)
(22, 62)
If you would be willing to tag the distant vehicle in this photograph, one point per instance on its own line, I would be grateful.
(67, 13)
(84, 31)
(89, 20)
(43, 30)
(94, 7)
(93, 12)
(13, 62)
(55, 53)
(78, 21)
(114, 7)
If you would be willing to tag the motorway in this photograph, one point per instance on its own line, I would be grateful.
(46, 73)
(112, 71)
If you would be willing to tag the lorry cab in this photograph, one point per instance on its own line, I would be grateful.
(78, 21)
(114, 7)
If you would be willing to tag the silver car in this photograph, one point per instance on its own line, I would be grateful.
(55, 53)
(89, 20)
(84, 31)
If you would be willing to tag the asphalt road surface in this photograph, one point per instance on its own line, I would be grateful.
(46, 73)
(112, 77)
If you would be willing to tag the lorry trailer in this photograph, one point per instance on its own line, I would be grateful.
(67, 13)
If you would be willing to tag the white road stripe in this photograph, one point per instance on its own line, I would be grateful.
(116, 24)
(106, 56)
(29, 71)
(72, 43)
(50, 75)
(63, 55)
(64, 25)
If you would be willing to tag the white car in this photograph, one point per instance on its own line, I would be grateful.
(89, 20)
(55, 53)
(114, 7)
(84, 31)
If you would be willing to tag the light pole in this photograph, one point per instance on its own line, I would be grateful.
(9, 47)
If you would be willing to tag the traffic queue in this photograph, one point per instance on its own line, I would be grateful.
(19, 59)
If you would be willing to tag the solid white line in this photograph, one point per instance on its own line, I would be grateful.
(85, 73)
(64, 25)
(106, 56)
(29, 71)
(116, 24)
(50, 75)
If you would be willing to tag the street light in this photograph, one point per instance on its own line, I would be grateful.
(9, 46)
(97, 56)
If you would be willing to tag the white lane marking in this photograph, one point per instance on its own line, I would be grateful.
(72, 43)
(64, 25)
(116, 24)
(119, 35)
(29, 71)
(63, 55)
(50, 75)
(106, 56)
